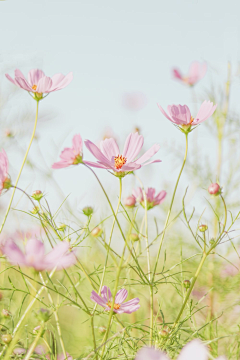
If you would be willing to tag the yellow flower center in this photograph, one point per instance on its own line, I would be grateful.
(115, 306)
(119, 161)
(192, 118)
(34, 87)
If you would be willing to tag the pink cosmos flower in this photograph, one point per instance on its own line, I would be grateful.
(71, 156)
(130, 201)
(134, 101)
(196, 72)
(38, 82)
(4, 178)
(180, 114)
(195, 349)
(105, 300)
(34, 255)
(108, 154)
(152, 199)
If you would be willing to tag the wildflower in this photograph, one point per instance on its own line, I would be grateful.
(34, 255)
(37, 195)
(181, 116)
(130, 201)
(195, 349)
(97, 231)
(105, 300)
(196, 72)
(108, 155)
(214, 189)
(88, 211)
(152, 199)
(19, 351)
(5, 182)
(163, 333)
(38, 83)
(71, 156)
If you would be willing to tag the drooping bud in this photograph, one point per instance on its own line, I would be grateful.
(97, 231)
(37, 195)
(214, 189)
(62, 227)
(102, 330)
(43, 315)
(186, 284)
(6, 313)
(130, 201)
(6, 338)
(203, 228)
(88, 211)
(35, 210)
(134, 237)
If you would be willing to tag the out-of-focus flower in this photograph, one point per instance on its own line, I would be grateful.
(108, 154)
(195, 349)
(40, 350)
(152, 199)
(6, 313)
(134, 101)
(71, 156)
(105, 300)
(62, 357)
(130, 201)
(19, 351)
(180, 114)
(34, 255)
(97, 231)
(38, 83)
(196, 72)
(9, 133)
(214, 189)
(5, 182)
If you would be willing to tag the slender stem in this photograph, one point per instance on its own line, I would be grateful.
(56, 318)
(33, 346)
(170, 209)
(19, 174)
(93, 335)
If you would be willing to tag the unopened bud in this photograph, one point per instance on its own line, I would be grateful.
(102, 330)
(88, 211)
(212, 241)
(97, 231)
(43, 315)
(6, 338)
(6, 313)
(163, 333)
(7, 183)
(130, 201)
(35, 210)
(186, 284)
(37, 195)
(8, 133)
(62, 227)
(134, 237)
(214, 189)
(203, 228)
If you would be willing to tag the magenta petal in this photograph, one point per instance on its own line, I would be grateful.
(109, 148)
(96, 152)
(14, 254)
(147, 353)
(121, 296)
(148, 154)
(97, 299)
(160, 197)
(44, 85)
(106, 293)
(67, 155)
(177, 74)
(133, 145)
(34, 76)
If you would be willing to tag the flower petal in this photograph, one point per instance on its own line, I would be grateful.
(147, 353)
(133, 145)
(206, 110)
(23, 83)
(44, 85)
(109, 148)
(165, 114)
(106, 293)
(148, 154)
(97, 299)
(96, 152)
(180, 114)
(59, 81)
(195, 349)
(14, 254)
(77, 144)
(34, 76)
(35, 247)
(121, 296)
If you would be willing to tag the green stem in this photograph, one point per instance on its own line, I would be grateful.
(19, 174)
(33, 346)
(170, 209)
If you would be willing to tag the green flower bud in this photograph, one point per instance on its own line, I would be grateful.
(186, 284)
(6, 338)
(37, 195)
(96, 232)
(212, 242)
(62, 227)
(163, 333)
(203, 228)
(35, 210)
(134, 237)
(88, 210)
(7, 183)
(43, 315)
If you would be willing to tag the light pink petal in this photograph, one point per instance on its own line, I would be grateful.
(128, 309)
(109, 148)
(65, 261)
(106, 294)
(11, 79)
(97, 153)
(147, 353)
(206, 110)
(150, 192)
(196, 72)
(67, 154)
(23, 83)
(160, 197)
(62, 357)
(77, 144)
(195, 349)
(18, 73)
(61, 164)
(130, 167)
(97, 165)
(138, 194)
(129, 303)
(151, 162)
(97, 299)
(180, 114)
(60, 81)
(133, 145)
(44, 85)
(34, 76)
(148, 154)
(14, 254)
(177, 74)
(55, 255)
(34, 247)
(165, 114)
(121, 296)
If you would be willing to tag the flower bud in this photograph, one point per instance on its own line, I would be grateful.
(214, 189)
(133, 237)
(203, 228)
(19, 351)
(6, 338)
(9, 133)
(130, 201)
(186, 284)
(7, 183)
(163, 333)
(6, 313)
(62, 227)
(97, 231)
(88, 211)
(35, 210)
(102, 330)
(43, 315)
(212, 241)
(37, 195)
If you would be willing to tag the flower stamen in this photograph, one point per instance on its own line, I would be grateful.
(115, 306)
(119, 161)
(34, 87)
(192, 119)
